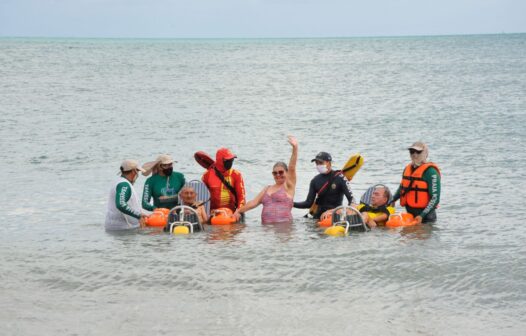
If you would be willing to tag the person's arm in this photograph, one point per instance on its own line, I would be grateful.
(201, 213)
(346, 190)
(147, 195)
(250, 204)
(291, 180)
(310, 198)
(365, 215)
(122, 197)
(239, 186)
(396, 195)
(432, 178)
(380, 218)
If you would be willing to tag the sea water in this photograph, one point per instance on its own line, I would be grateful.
(72, 109)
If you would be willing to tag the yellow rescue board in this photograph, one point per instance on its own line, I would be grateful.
(352, 166)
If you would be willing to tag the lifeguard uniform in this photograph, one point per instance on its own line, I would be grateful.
(220, 195)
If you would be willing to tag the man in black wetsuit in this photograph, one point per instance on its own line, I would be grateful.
(326, 189)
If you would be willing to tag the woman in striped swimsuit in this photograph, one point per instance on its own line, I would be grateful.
(277, 199)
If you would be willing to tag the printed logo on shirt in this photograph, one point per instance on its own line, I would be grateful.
(168, 191)
(122, 196)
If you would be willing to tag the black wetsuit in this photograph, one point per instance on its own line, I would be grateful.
(330, 198)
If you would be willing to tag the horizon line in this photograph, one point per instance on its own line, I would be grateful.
(255, 37)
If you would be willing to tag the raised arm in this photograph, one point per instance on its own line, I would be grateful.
(291, 180)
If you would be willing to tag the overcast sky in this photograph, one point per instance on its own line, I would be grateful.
(258, 18)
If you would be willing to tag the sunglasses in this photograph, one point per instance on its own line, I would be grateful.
(279, 172)
(413, 151)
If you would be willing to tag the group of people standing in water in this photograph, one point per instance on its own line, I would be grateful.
(418, 192)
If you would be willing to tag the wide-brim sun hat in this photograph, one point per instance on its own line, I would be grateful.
(161, 159)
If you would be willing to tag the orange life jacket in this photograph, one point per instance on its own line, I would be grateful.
(414, 192)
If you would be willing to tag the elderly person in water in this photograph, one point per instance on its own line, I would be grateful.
(189, 198)
(378, 212)
(277, 199)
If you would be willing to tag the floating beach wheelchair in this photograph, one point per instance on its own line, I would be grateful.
(345, 219)
(182, 220)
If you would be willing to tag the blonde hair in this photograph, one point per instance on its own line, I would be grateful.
(280, 164)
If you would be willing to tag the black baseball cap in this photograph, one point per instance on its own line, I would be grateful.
(322, 156)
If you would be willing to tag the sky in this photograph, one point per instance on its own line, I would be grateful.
(258, 18)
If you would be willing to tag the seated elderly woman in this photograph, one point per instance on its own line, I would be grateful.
(189, 198)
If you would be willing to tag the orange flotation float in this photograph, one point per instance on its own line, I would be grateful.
(326, 222)
(222, 216)
(400, 219)
(159, 218)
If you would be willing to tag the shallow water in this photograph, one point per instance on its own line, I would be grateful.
(71, 110)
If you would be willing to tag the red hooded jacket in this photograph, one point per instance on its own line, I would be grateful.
(220, 195)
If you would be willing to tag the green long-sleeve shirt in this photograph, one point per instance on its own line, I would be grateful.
(122, 196)
(157, 186)
(432, 177)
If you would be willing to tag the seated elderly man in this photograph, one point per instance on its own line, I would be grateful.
(377, 212)
(189, 198)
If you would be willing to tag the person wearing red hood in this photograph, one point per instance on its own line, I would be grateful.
(227, 189)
